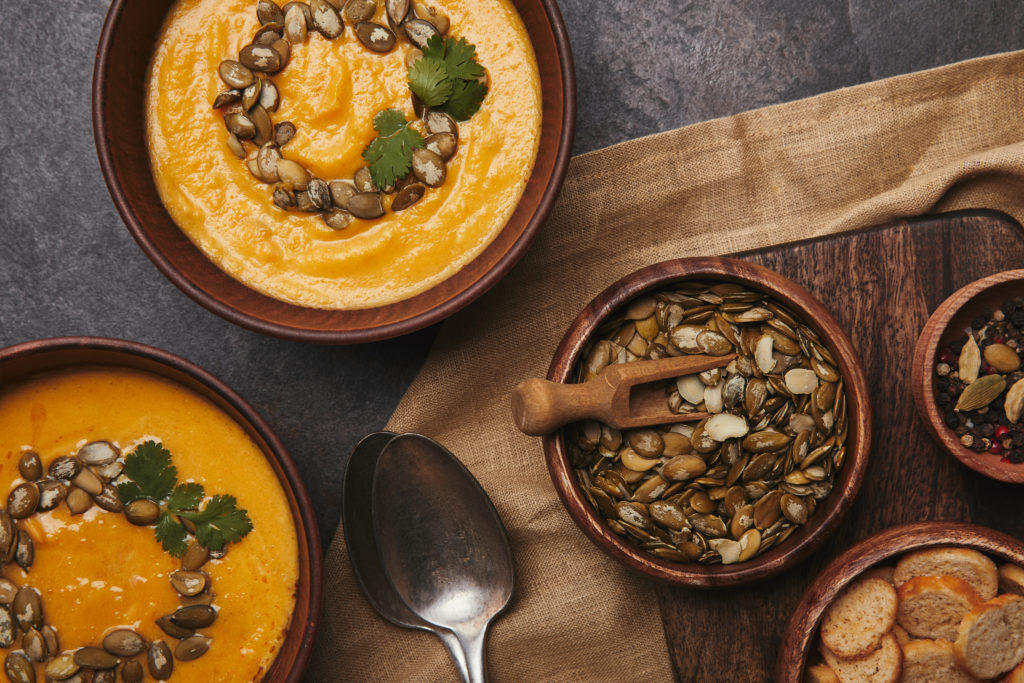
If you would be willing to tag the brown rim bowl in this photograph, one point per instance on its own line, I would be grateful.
(801, 631)
(22, 361)
(944, 326)
(829, 512)
(118, 92)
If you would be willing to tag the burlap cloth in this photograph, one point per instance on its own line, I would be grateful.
(944, 139)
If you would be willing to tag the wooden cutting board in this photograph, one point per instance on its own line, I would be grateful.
(881, 285)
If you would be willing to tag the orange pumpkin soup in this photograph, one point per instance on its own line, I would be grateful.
(331, 91)
(96, 572)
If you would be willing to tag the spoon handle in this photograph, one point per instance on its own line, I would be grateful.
(473, 645)
(458, 655)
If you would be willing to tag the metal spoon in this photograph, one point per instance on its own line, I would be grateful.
(356, 515)
(441, 542)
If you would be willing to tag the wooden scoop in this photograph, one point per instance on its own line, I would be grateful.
(621, 396)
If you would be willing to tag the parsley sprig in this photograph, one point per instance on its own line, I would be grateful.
(447, 77)
(150, 474)
(390, 153)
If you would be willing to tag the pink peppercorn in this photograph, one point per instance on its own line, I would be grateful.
(946, 356)
(996, 448)
(1002, 431)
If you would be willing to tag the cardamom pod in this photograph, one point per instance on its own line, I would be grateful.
(970, 362)
(981, 392)
(1014, 402)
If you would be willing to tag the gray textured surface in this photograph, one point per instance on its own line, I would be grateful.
(68, 266)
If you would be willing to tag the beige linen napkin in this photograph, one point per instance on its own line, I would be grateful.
(944, 139)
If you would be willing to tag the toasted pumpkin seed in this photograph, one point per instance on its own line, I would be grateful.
(326, 19)
(22, 500)
(374, 36)
(62, 667)
(124, 642)
(160, 660)
(108, 499)
(192, 648)
(194, 616)
(19, 669)
(235, 74)
(396, 11)
(8, 629)
(78, 501)
(296, 25)
(24, 552)
(419, 32)
(30, 467)
(366, 205)
(27, 608)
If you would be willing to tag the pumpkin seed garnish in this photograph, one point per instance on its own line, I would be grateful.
(443, 74)
(148, 493)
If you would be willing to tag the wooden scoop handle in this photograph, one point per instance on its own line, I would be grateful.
(540, 407)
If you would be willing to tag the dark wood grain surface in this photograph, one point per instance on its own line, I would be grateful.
(881, 285)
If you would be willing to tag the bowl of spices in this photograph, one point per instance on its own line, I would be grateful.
(329, 171)
(967, 375)
(770, 450)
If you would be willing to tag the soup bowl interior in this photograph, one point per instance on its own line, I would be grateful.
(945, 326)
(22, 362)
(882, 548)
(828, 513)
(129, 36)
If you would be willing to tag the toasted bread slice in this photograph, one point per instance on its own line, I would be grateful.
(883, 572)
(933, 606)
(964, 563)
(882, 665)
(930, 661)
(1015, 676)
(990, 639)
(820, 673)
(1011, 579)
(902, 637)
(855, 623)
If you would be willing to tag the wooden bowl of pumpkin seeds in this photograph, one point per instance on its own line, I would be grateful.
(755, 487)
(130, 33)
(27, 360)
(967, 375)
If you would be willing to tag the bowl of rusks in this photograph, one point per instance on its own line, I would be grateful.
(933, 601)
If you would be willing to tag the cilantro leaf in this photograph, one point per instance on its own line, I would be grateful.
(448, 77)
(389, 122)
(185, 497)
(129, 491)
(172, 535)
(460, 60)
(436, 47)
(465, 100)
(153, 475)
(390, 156)
(429, 81)
(220, 522)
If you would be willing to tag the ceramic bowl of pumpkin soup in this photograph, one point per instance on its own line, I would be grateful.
(334, 171)
(152, 526)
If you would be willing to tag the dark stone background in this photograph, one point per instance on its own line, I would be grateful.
(69, 267)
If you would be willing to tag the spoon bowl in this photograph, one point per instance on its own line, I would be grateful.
(441, 543)
(357, 520)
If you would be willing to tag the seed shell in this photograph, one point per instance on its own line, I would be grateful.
(160, 660)
(374, 36)
(30, 467)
